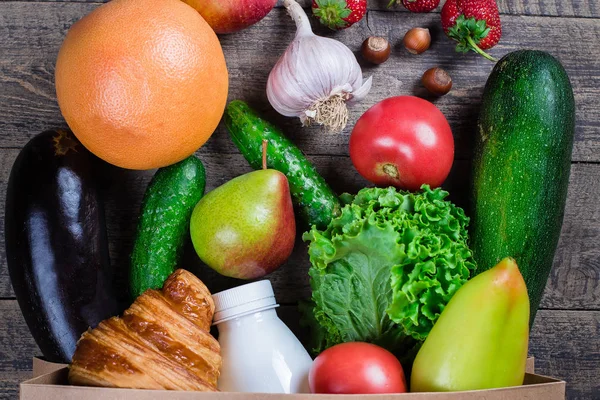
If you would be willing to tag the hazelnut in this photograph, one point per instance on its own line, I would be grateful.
(437, 81)
(417, 40)
(376, 49)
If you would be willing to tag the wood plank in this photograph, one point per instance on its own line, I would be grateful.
(15, 339)
(566, 345)
(552, 8)
(9, 383)
(573, 284)
(32, 34)
(558, 8)
(16, 349)
(555, 8)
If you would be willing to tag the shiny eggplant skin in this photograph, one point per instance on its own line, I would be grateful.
(56, 245)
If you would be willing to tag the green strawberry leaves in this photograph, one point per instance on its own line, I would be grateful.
(468, 32)
(331, 13)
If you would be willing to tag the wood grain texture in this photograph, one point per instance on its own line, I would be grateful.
(566, 345)
(9, 383)
(552, 8)
(574, 283)
(15, 343)
(555, 8)
(32, 34)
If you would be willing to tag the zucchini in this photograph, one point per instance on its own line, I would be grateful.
(164, 223)
(314, 199)
(521, 166)
(56, 245)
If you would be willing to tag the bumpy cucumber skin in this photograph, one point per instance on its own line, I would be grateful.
(164, 223)
(521, 166)
(314, 199)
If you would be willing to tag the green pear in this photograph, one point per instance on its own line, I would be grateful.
(480, 339)
(245, 228)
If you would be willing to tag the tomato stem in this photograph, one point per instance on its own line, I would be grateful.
(391, 170)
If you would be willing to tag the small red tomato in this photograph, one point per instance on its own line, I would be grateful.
(403, 141)
(356, 368)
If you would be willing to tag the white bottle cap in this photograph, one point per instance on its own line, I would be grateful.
(245, 299)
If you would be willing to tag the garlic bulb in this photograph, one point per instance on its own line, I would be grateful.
(315, 77)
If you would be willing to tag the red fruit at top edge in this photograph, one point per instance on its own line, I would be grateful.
(419, 6)
(481, 10)
(339, 14)
(226, 16)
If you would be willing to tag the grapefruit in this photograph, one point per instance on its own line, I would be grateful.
(142, 83)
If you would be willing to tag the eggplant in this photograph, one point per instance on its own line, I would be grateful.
(56, 244)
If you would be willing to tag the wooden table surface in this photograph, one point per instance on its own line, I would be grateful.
(566, 337)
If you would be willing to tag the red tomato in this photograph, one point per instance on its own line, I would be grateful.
(356, 368)
(403, 141)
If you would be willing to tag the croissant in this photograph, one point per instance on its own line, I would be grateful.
(161, 342)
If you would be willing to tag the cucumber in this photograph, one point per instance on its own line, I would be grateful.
(164, 223)
(314, 199)
(521, 166)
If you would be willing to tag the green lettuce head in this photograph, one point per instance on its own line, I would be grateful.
(383, 271)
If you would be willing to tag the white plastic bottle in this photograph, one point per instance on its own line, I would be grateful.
(260, 353)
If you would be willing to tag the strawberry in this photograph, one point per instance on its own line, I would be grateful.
(339, 14)
(419, 6)
(474, 24)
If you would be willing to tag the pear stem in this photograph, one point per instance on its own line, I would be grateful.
(264, 154)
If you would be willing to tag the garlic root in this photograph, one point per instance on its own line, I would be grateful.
(331, 112)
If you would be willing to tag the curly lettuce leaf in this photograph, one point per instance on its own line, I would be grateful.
(350, 282)
(383, 270)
